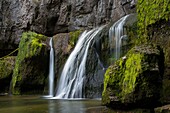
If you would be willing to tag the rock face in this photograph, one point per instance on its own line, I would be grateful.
(31, 68)
(93, 83)
(136, 79)
(6, 71)
(50, 17)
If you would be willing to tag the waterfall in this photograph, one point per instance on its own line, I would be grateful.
(51, 69)
(117, 32)
(70, 84)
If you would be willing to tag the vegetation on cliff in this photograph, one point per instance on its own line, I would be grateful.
(31, 66)
(6, 66)
(6, 71)
(150, 12)
(73, 37)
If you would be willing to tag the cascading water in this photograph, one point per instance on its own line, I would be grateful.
(51, 69)
(70, 84)
(117, 32)
(73, 76)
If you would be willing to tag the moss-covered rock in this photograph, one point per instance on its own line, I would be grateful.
(73, 37)
(135, 79)
(31, 68)
(6, 71)
(154, 27)
(150, 12)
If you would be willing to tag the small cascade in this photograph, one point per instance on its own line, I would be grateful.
(70, 84)
(51, 69)
(117, 33)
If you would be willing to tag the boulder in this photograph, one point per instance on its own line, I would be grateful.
(135, 79)
(32, 63)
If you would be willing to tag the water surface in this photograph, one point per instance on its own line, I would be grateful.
(37, 104)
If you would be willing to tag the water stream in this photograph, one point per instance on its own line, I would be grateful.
(71, 81)
(70, 84)
(118, 32)
(51, 69)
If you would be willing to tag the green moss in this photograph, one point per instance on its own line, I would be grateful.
(149, 12)
(74, 37)
(30, 45)
(112, 82)
(132, 34)
(6, 66)
(129, 79)
(121, 80)
(133, 67)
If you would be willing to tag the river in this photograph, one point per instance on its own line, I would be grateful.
(37, 104)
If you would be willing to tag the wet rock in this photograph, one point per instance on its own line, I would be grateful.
(135, 80)
(93, 84)
(63, 45)
(31, 67)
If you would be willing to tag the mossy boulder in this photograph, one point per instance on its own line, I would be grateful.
(31, 68)
(6, 71)
(135, 79)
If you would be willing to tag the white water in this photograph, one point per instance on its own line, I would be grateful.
(51, 70)
(117, 32)
(70, 84)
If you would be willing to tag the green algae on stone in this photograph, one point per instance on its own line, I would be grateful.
(150, 12)
(6, 71)
(74, 37)
(31, 63)
(6, 66)
(129, 80)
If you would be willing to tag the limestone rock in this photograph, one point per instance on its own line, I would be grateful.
(50, 17)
